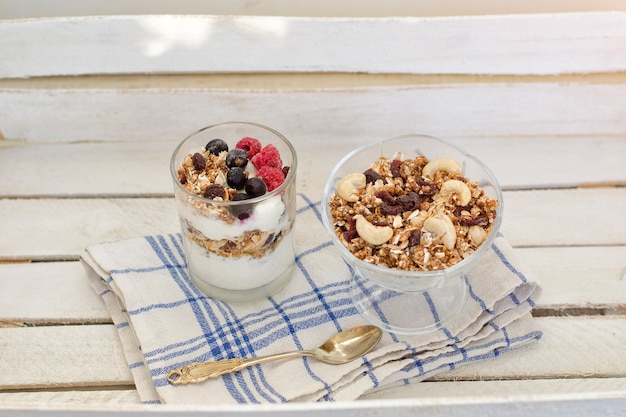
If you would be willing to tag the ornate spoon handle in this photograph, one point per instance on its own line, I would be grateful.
(197, 372)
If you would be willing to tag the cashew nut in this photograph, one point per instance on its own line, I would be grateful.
(464, 195)
(374, 235)
(442, 226)
(477, 234)
(349, 185)
(441, 164)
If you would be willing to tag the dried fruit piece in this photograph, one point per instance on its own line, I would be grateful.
(395, 167)
(372, 176)
(409, 201)
(214, 191)
(199, 163)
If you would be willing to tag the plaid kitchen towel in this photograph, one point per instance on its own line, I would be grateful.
(164, 322)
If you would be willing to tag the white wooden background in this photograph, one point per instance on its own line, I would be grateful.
(91, 107)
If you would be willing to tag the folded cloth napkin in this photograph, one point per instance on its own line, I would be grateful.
(164, 322)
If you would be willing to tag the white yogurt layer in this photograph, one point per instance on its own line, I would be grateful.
(266, 216)
(243, 273)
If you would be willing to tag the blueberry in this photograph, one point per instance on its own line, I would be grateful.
(237, 158)
(216, 146)
(241, 211)
(255, 187)
(236, 177)
(240, 197)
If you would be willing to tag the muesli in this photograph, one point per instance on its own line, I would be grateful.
(411, 214)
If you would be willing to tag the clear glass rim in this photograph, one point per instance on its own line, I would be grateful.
(288, 180)
(453, 270)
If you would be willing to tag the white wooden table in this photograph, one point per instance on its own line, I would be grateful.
(91, 108)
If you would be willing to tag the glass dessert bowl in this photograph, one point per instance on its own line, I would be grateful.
(234, 185)
(411, 216)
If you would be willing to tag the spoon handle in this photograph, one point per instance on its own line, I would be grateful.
(197, 372)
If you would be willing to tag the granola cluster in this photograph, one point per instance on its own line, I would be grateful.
(412, 214)
(253, 243)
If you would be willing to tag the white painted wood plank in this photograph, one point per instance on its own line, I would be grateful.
(532, 218)
(556, 407)
(571, 347)
(508, 390)
(48, 292)
(71, 225)
(571, 278)
(142, 168)
(86, 169)
(88, 398)
(558, 43)
(579, 277)
(576, 217)
(18, 9)
(62, 356)
(367, 113)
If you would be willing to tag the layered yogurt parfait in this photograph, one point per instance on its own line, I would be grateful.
(235, 194)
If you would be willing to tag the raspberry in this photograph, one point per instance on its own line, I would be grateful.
(252, 146)
(268, 156)
(272, 176)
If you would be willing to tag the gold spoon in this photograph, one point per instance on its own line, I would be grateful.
(343, 347)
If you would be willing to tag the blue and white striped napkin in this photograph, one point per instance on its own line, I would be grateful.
(164, 322)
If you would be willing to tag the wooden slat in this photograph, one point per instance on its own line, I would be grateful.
(71, 225)
(14, 9)
(572, 278)
(565, 217)
(488, 109)
(56, 292)
(570, 347)
(477, 390)
(457, 391)
(586, 278)
(62, 356)
(558, 43)
(142, 168)
(89, 398)
(45, 357)
(568, 217)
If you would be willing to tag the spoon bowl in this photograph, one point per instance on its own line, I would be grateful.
(348, 345)
(343, 347)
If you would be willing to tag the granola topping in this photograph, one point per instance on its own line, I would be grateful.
(411, 218)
